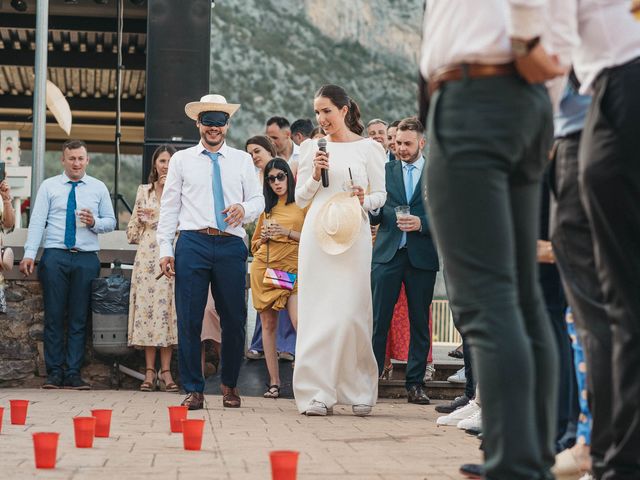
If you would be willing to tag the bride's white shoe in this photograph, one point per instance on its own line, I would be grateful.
(361, 410)
(316, 409)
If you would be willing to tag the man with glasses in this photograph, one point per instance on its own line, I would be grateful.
(211, 190)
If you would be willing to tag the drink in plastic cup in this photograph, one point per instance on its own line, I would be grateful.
(103, 422)
(1, 414)
(45, 447)
(192, 433)
(84, 429)
(176, 415)
(284, 464)
(348, 185)
(19, 411)
(267, 225)
(79, 222)
(402, 211)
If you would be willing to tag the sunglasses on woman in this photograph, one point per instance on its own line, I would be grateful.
(280, 177)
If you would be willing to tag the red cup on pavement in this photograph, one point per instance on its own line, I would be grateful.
(1, 415)
(176, 415)
(84, 429)
(192, 433)
(19, 411)
(103, 422)
(284, 464)
(45, 449)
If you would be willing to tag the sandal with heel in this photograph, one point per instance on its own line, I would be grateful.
(167, 387)
(149, 386)
(273, 391)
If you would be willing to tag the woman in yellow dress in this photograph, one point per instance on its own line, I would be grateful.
(275, 245)
(152, 312)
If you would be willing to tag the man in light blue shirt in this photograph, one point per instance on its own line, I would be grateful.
(72, 209)
(404, 253)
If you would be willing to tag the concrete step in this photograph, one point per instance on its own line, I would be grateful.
(443, 369)
(437, 390)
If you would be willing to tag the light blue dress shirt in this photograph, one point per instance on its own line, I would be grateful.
(49, 214)
(416, 174)
(415, 177)
(572, 112)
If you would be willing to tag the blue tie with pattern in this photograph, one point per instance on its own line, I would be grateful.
(70, 224)
(218, 193)
(408, 190)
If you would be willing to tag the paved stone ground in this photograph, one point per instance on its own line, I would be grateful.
(399, 441)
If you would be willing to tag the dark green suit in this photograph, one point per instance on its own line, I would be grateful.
(415, 265)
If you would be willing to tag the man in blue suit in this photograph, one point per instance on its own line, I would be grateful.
(404, 253)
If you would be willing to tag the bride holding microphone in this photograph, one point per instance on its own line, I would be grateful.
(335, 362)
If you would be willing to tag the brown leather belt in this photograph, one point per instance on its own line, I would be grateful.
(468, 70)
(214, 232)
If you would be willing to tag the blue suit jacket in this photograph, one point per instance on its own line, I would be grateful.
(420, 247)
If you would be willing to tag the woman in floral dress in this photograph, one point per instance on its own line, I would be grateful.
(152, 313)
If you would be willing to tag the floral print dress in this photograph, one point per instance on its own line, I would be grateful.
(3, 231)
(152, 312)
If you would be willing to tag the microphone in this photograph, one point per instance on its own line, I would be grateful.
(322, 146)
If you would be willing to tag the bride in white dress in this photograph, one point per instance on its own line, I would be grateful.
(334, 357)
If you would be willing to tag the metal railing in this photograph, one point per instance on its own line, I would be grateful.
(444, 331)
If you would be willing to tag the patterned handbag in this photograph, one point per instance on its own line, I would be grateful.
(278, 278)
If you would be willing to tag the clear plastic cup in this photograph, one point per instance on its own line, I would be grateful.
(402, 211)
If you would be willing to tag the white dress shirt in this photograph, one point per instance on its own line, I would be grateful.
(593, 34)
(463, 31)
(187, 200)
(609, 34)
(294, 160)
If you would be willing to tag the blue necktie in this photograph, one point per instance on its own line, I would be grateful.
(218, 193)
(70, 224)
(408, 190)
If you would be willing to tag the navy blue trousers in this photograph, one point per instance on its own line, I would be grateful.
(203, 260)
(66, 288)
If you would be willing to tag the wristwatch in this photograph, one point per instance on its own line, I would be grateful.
(521, 47)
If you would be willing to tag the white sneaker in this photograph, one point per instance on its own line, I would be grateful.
(361, 410)
(429, 373)
(458, 377)
(461, 413)
(473, 422)
(316, 409)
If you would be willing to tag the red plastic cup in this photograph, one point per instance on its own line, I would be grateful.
(176, 415)
(84, 429)
(45, 447)
(19, 411)
(192, 433)
(1, 414)
(284, 464)
(103, 422)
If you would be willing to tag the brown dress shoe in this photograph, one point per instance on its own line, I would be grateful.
(230, 397)
(194, 400)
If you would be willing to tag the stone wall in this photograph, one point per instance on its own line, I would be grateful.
(21, 350)
(20, 331)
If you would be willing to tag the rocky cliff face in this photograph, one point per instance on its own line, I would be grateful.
(391, 27)
(272, 55)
